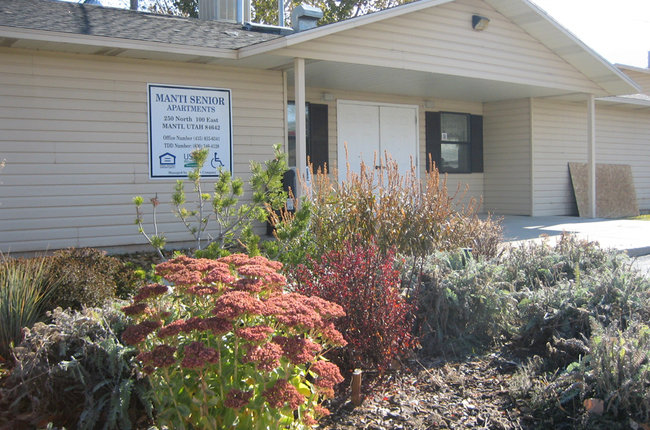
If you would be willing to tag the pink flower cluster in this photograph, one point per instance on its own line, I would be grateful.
(160, 356)
(298, 350)
(255, 334)
(283, 392)
(217, 326)
(293, 310)
(249, 285)
(197, 355)
(328, 374)
(137, 333)
(149, 291)
(236, 303)
(185, 271)
(135, 309)
(330, 333)
(267, 356)
(236, 399)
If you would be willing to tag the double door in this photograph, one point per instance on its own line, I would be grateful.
(371, 130)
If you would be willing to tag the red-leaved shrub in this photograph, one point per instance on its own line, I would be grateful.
(378, 320)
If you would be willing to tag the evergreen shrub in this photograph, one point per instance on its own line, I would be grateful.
(89, 277)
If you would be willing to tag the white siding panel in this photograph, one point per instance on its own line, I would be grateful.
(73, 130)
(441, 40)
(474, 180)
(560, 137)
(507, 157)
(623, 137)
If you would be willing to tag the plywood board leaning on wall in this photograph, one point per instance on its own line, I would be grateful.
(615, 192)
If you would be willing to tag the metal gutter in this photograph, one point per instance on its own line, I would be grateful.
(111, 42)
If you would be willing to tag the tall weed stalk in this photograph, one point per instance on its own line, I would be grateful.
(402, 211)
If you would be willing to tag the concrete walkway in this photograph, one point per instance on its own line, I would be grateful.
(632, 236)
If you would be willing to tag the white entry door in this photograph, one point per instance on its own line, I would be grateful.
(370, 130)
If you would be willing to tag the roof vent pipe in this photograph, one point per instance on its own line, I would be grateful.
(305, 17)
(134, 5)
(225, 10)
(281, 13)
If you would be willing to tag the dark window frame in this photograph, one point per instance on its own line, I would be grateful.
(467, 143)
(433, 142)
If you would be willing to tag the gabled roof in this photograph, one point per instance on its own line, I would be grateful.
(102, 22)
(98, 30)
(524, 13)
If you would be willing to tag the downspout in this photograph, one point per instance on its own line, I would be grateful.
(281, 13)
(591, 154)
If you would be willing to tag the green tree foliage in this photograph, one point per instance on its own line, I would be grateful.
(266, 11)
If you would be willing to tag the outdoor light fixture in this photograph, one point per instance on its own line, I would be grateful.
(327, 97)
(479, 23)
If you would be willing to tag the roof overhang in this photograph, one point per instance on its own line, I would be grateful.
(634, 101)
(424, 85)
(100, 45)
(528, 16)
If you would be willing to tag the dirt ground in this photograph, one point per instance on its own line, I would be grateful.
(433, 394)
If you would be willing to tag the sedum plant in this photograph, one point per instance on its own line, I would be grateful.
(224, 347)
(232, 219)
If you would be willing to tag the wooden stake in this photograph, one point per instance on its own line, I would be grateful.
(356, 387)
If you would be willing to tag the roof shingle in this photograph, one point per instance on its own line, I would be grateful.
(57, 16)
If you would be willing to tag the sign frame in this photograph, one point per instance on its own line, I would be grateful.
(169, 157)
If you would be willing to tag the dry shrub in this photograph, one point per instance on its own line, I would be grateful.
(416, 216)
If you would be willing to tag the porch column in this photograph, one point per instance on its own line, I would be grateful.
(591, 155)
(301, 124)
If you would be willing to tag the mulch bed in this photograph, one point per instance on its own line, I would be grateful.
(426, 393)
(432, 393)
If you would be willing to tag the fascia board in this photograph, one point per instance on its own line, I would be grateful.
(305, 36)
(625, 100)
(632, 68)
(112, 42)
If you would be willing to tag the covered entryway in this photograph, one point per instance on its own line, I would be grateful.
(371, 130)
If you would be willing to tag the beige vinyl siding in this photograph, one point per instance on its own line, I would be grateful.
(441, 40)
(641, 78)
(74, 135)
(507, 157)
(623, 137)
(454, 181)
(560, 137)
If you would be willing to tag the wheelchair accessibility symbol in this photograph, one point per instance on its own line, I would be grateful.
(216, 161)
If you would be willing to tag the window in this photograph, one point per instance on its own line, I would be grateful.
(454, 142)
(291, 123)
(316, 119)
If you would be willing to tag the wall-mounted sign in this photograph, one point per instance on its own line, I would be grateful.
(182, 119)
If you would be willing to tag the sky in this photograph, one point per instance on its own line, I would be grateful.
(618, 30)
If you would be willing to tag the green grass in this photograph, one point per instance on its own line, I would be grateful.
(645, 217)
